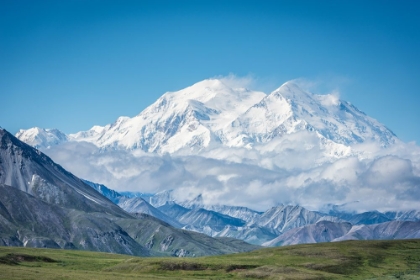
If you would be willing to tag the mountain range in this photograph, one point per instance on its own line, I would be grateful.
(194, 155)
(288, 143)
(280, 225)
(43, 205)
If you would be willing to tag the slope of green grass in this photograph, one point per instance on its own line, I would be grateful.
(342, 260)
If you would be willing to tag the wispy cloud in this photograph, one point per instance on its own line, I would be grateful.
(327, 84)
(235, 81)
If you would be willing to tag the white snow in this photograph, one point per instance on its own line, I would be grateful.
(42, 138)
(210, 114)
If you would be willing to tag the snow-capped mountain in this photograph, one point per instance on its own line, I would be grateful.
(236, 146)
(42, 138)
(210, 114)
(210, 144)
(289, 109)
(188, 119)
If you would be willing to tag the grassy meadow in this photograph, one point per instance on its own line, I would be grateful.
(397, 259)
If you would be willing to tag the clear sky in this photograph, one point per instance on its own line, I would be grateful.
(74, 64)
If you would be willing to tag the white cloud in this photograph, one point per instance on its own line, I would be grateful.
(286, 172)
(235, 81)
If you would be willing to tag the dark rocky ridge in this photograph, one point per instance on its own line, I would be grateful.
(43, 205)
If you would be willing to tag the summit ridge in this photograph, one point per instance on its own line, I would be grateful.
(211, 114)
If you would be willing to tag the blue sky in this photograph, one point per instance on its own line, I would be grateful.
(74, 64)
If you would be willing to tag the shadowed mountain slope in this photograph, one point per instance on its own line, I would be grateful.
(43, 205)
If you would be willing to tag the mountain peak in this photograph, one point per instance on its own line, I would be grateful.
(202, 91)
(42, 138)
(291, 91)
